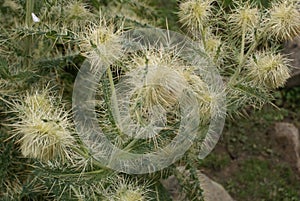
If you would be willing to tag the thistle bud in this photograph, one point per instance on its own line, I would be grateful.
(101, 44)
(195, 13)
(268, 70)
(77, 10)
(128, 191)
(284, 21)
(43, 128)
(244, 18)
(214, 47)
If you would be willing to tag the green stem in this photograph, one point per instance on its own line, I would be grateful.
(28, 40)
(29, 10)
(82, 151)
(243, 44)
(242, 55)
(97, 172)
(114, 104)
(203, 37)
(245, 56)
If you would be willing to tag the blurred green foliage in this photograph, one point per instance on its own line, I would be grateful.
(262, 180)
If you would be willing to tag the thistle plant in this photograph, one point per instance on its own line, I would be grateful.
(149, 96)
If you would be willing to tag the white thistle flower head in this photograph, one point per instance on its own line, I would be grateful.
(167, 77)
(163, 88)
(244, 17)
(164, 78)
(284, 21)
(268, 70)
(205, 97)
(212, 44)
(77, 10)
(37, 101)
(195, 13)
(43, 128)
(101, 44)
(214, 48)
(128, 191)
(156, 57)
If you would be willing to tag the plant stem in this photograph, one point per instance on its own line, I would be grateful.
(243, 44)
(114, 104)
(29, 10)
(96, 172)
(28, 40)
(241, 56)
(82, 150)
(245, 56)
(203, 37)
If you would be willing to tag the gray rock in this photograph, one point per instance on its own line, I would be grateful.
(287, 138)
(212, 191)
(292, 49)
